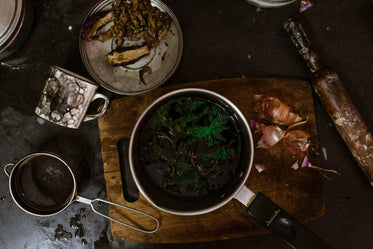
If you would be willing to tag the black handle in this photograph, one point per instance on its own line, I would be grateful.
(130, 190)
(291, 231)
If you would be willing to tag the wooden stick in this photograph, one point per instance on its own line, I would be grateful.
(336, 101)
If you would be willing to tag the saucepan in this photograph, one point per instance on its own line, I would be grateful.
(160, 168)
(43, 184)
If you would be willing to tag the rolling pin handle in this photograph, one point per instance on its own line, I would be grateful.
(302, 43)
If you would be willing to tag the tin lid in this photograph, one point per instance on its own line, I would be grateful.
(10, 13)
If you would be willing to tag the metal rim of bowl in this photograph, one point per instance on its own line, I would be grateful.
(158, 3)
(18, 29)
(28, 209)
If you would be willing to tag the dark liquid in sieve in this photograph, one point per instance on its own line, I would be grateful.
(43, 183)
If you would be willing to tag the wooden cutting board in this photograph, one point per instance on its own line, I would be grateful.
(299, 192)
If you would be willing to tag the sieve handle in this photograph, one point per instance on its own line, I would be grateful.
(90, 202)
(6, 169)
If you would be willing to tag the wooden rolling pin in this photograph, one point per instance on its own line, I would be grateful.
(335, 99)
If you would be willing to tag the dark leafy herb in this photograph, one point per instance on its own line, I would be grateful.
(153, 152)
(218, 156)
(194, 141)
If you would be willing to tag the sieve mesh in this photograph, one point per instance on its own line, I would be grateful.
(43, 184)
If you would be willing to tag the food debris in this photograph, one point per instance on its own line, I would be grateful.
(131, 21)
(135, 20)
(307, 164)
(297, 142)
(340, 121)
(260, 167)
(142, 72)
(127, 55)
(275, 122)
(295, 165)
(270, 136)
(304, 5)
(94, 23)
(163, 56)
(325, 153)
(254, 125)
(271, 109)
(61, 234)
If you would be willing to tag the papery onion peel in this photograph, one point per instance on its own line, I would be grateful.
(272, 109)
(307, 164)
(271, 135)
(297, 142)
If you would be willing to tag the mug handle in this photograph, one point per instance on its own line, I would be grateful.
(89, 117)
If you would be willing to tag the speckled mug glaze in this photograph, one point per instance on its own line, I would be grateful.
(66, 97)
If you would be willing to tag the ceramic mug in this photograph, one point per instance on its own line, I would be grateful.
(66, 97)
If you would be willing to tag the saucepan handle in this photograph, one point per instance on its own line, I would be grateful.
(91, 202)
(6, 168)
(291, 231)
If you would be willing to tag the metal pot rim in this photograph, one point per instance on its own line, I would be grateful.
(17, 28)
(13, 19)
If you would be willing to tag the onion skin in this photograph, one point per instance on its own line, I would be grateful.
(282, 123)
(273, 110)
(271, 136)
(297, 142)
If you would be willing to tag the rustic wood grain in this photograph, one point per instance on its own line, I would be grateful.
(299, 192)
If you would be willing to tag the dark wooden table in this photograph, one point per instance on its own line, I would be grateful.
(222, 39)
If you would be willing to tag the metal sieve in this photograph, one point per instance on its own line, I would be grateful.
(43, 184)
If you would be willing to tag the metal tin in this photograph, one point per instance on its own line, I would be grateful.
(125, 80)
(16, 18)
